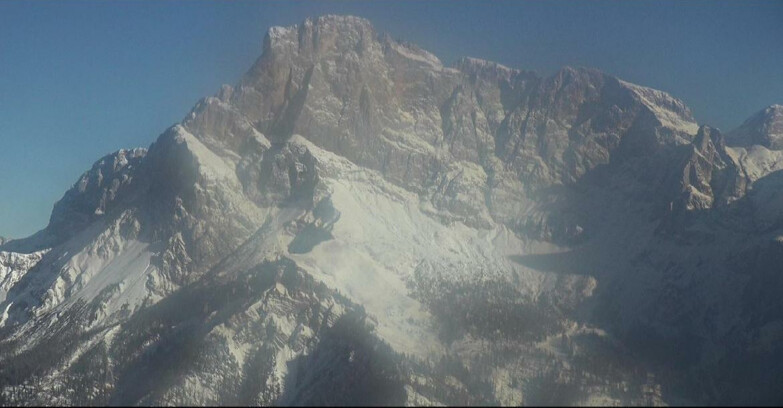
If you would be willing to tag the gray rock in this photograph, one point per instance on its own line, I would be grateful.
(98, 192)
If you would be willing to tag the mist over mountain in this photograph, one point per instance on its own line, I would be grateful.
(355, 223)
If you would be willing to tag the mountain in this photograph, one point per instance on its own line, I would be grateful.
(765, 128)
(356, 223)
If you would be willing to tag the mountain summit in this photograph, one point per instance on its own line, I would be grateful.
(764, 128)
(355, 223)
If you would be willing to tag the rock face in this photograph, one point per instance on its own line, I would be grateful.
(707, 176)
(97, 192)
(354, 210)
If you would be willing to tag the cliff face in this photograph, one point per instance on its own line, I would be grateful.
(353, 209)
(395, 108)
(467, 138)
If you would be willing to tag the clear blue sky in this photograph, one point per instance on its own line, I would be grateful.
(81, 79)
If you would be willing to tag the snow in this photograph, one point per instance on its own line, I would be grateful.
(237, 349)
(384, 236)
(4, 316)
(658, 102)
(90, 266)
(418, 55)
(380, 240)
(128, 269)
(13, 266)
(484, 64)
(756, 161)
(278, 32)
(212, 167)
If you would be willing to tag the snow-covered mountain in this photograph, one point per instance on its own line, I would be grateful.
(764, 128)
(355, 222)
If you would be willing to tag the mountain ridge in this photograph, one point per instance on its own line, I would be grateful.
(468, 214)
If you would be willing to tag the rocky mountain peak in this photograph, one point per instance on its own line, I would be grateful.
(764, 128)
(668, 110)
(322, 36)
(706, 135)
(484, 68)
(95, 193)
